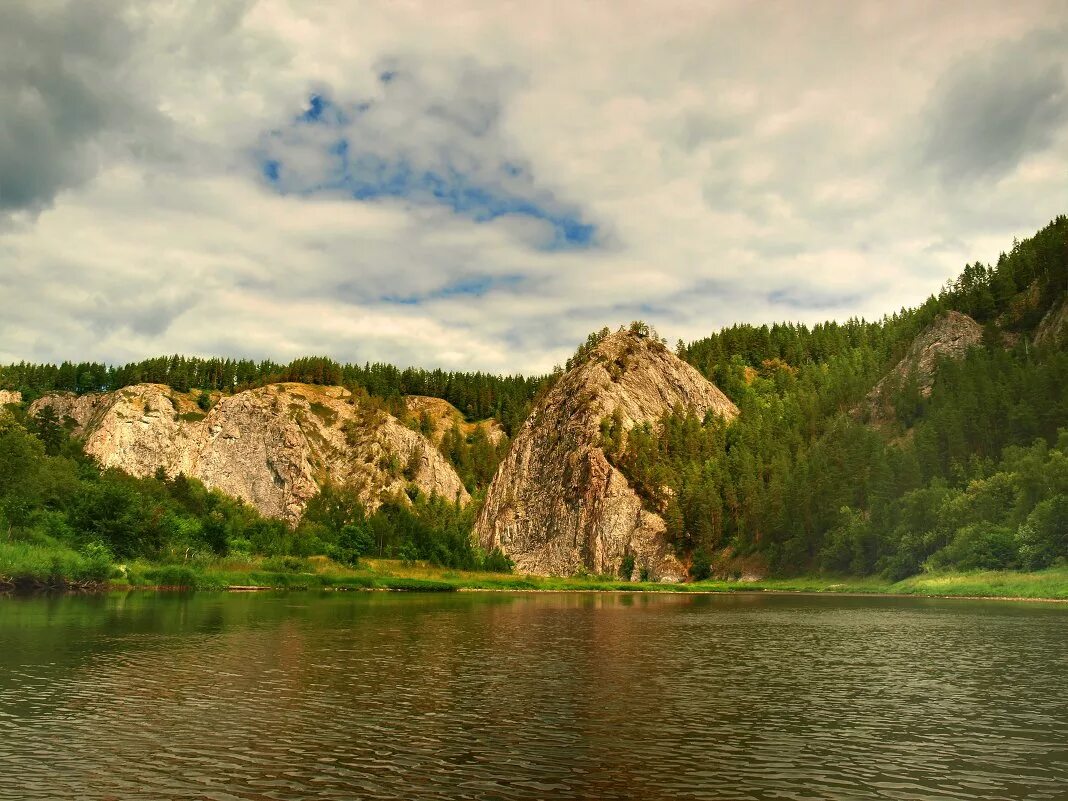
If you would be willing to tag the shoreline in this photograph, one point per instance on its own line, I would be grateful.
(244, 575)
(823, 593)
(107, 588)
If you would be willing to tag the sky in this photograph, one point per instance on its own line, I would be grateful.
(476, 185)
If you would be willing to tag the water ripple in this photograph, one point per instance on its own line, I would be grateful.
(258, 698)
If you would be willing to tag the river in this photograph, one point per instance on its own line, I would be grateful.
(531, 696)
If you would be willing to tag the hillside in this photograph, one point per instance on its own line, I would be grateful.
(965, 468)
(950, 337)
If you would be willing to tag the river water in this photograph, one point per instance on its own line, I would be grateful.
(531, 696)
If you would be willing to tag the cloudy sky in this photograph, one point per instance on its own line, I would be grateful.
(477, 184)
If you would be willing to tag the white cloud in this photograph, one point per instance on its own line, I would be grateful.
(742, 162)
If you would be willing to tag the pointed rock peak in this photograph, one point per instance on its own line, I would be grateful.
(636, 377)
(557, 506)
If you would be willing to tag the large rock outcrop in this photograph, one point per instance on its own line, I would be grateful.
(556, 505)
(950, 336)
(273, 446)
(10, 396)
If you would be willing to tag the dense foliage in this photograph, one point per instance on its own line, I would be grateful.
(971, 476)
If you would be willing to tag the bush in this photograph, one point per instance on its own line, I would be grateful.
(701, 565)
(496, 562)
(846, 547)
(1043, 537)
(626, 567)
(408, 553)
(240, 547)
(979, 546)
(356, 538)
(287, 564)
(51, 564)
(308, 540)
(268, 537)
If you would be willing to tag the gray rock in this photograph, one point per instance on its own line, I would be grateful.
(273, 446)
(950, 336)
(556, 505)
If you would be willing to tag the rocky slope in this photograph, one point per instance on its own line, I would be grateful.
(273, 446)
(556, 505)
(1053, 329)
(950, 336)
(10, 396)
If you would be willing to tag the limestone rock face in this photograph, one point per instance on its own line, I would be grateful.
(10, 396)
(273, 446)
(950, 336)
(1053, 329)
(556, 504)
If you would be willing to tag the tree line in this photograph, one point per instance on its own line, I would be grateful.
(477, 395)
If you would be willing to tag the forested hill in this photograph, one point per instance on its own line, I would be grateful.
(971, 474)
(966, 467)
(1011, 296)
(993, 295)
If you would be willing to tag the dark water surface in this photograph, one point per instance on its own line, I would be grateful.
(548, 696)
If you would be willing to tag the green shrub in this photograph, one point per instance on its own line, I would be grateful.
(1043, 537)
(979, 546)
(701, 565)
(497, 562)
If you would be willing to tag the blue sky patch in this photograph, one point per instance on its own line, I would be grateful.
(804, 298)
(328, 148)
(474, 286)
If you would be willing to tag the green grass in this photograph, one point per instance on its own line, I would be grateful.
(52, 565)
(1049, 584)
(24, 564)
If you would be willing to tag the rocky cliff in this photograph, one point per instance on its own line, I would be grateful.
(950, 336)
(10, 396)
(273, 446)
(556, 505)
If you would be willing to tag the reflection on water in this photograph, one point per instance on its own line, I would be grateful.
(530, 697)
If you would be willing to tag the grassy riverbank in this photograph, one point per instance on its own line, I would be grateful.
(27, 567)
